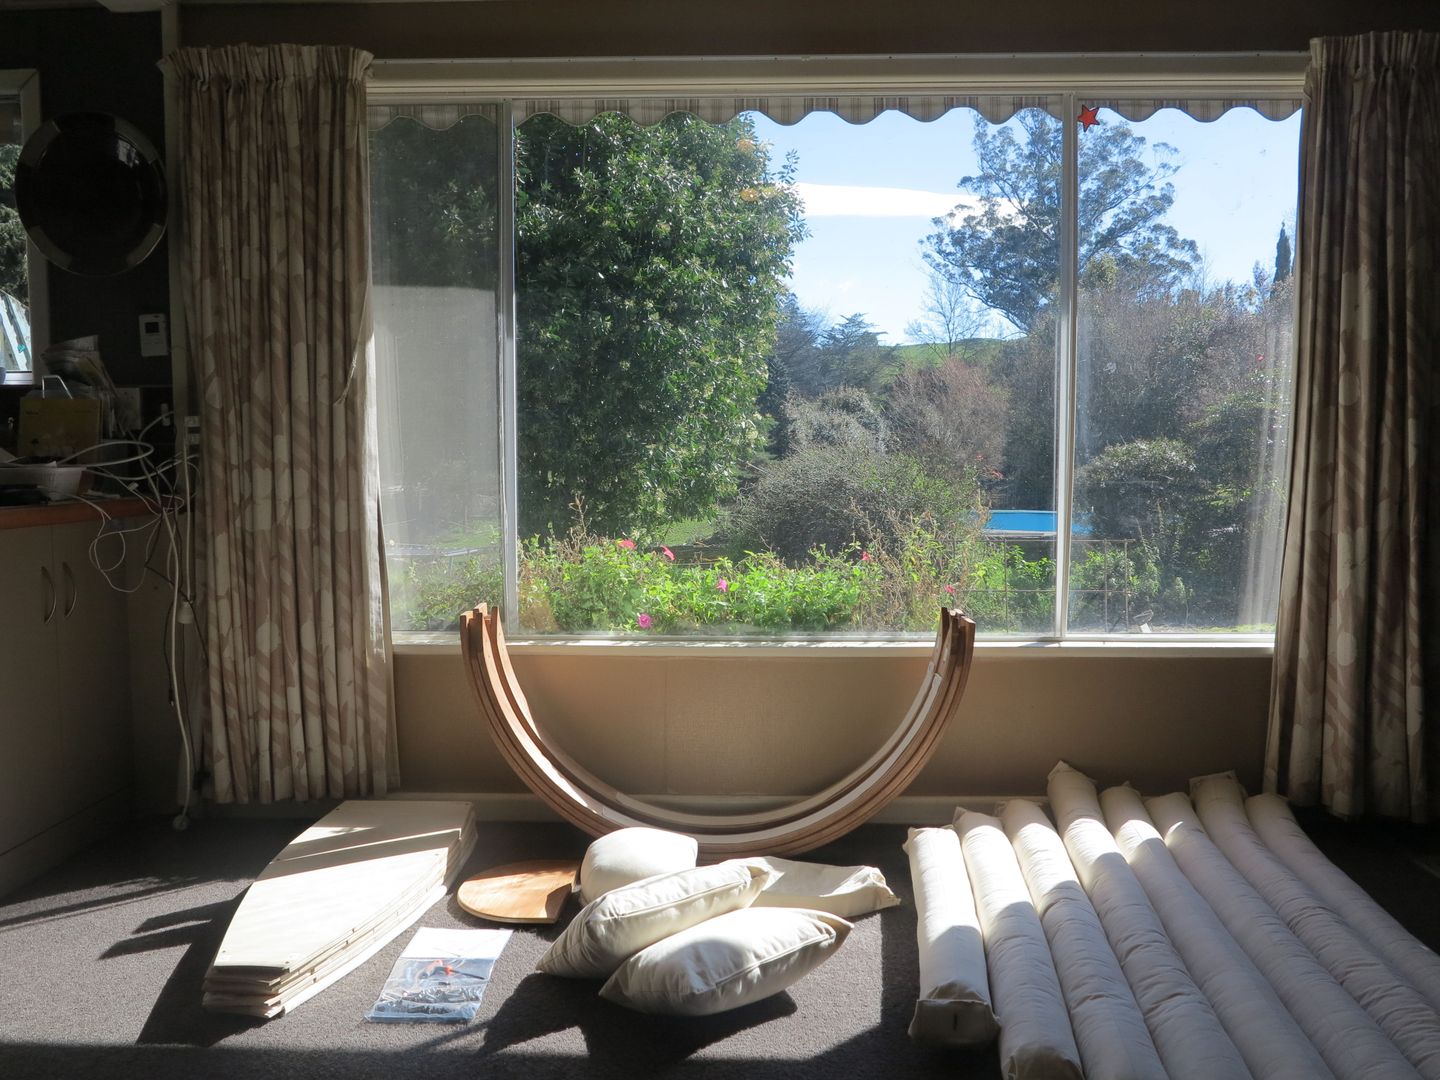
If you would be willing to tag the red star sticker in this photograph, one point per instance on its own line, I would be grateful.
(1089, 116)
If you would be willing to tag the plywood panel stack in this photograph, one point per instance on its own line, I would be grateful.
(336, 895)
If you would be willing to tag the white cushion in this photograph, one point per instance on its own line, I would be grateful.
(626, 856)
(1108, 1026)
(846, 891)
(610, 930)
(1036, 1040)
(954, 1004)
(725, 962)
(1192, 1043)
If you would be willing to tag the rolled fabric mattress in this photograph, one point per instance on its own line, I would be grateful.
(1191, 1041)
(1400, 1009)
(1036, 1042)
(1114, 1042)
(953, 1008)
(1411, 958)
(1266, 1034)
(1347, 1037)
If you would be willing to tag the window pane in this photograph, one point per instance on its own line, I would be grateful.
(434, 235)
(1185, 315)
(15, 353)
(786, 379)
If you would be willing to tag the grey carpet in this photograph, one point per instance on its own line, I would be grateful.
(102, 962)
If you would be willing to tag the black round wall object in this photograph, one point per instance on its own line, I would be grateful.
(90, 191)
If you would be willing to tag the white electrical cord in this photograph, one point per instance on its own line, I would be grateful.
(163, 502)
(182, 819)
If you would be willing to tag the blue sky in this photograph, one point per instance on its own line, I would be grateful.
(871, 190)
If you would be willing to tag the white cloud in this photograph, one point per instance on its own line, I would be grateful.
(846, 200)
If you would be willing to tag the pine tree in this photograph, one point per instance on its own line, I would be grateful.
(1282, 257)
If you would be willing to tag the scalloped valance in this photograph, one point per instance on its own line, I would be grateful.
(854, 108)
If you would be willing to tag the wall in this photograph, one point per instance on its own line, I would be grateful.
(93, 61)
(90, 60)
(735, 725)
(730, 725)
(767, 27)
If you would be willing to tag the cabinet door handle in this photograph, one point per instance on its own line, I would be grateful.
(50, 591)
(71, 591)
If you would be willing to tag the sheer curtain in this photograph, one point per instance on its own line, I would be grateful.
(1358, 635)
(274, 261)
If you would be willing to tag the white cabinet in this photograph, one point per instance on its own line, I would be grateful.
(65, 727)
(31, 765)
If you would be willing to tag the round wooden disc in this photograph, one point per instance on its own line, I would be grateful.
(521, 892)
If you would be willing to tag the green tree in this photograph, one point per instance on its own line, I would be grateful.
(12, 233)
(1024, 372)
(844, 484)
(796, 339)
(651, 265)
(435, 204)
(819, 358)
(1144, 491)
(949, 319)
(951, 417)
(1282, 257)
(1148, 366)
(1006, 252)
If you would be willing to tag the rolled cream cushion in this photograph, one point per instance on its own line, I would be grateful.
(726, 962)
(1401, 1011)
(610, 930)
(1349, 1040)
(626, 856)
(846, 891)
(1272, 1043)
(953, 1008)
(1036, 1041)
(1109, 1030)
(1192, 1043)
(1411, 958)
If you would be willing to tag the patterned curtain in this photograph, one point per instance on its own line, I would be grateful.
(1358, 632)
(274, 261)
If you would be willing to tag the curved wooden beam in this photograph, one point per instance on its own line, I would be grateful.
(583, 799)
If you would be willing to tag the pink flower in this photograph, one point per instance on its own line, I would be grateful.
(864, 556)
(723, 585)
(645, 621)
(950, 589)
(628, 545)
(667, 553)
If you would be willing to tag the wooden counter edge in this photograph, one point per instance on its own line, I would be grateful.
(65, 513)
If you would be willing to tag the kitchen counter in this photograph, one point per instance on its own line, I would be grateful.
(69, 511)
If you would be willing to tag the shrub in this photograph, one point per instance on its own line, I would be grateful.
(434, 592)
(586, 583)
(1008, 593)
(833, 498)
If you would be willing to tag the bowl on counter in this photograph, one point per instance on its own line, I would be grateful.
(57, 481)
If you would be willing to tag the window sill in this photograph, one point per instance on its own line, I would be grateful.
(994, 649)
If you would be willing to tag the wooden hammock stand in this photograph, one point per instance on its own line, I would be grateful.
(586, 801)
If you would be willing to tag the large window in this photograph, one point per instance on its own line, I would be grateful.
(434, 235)
(817, 376)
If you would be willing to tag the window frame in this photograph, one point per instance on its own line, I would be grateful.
(24, 84)
(1071, 78)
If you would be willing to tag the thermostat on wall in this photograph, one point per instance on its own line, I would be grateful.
(153, 339)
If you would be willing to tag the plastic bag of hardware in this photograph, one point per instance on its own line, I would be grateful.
(440, 978)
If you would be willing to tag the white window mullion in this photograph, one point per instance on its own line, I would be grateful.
(1066, 356)
(505, 328)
